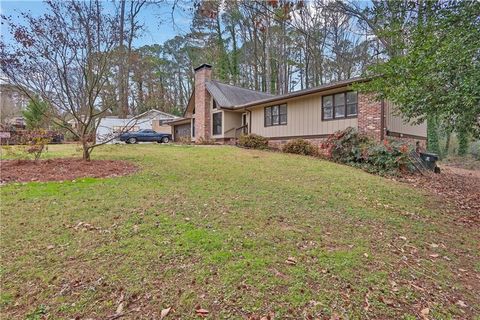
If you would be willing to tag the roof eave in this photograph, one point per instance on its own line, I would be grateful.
(298, 94)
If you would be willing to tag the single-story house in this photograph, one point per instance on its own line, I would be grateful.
(222, 112)
(151, 119)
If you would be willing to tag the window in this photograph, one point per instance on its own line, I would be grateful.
(328, 107)
(340, 106)
(217, 123)
(193, 127)
(275, 115)
(351, 104)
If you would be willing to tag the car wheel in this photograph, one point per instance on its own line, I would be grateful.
(165, 139)
(132, 140)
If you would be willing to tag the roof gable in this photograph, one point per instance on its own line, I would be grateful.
(157, 112)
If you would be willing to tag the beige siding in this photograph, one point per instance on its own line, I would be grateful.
(231, 121)
(304, 118)
(395, 123)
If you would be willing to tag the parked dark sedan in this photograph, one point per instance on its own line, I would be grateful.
(145, 135)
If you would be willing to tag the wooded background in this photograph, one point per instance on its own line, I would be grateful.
(272, 46)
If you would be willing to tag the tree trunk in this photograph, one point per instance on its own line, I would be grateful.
(268, 66)
(255, 53)
(86, 151)
(432, 134)
(123, 98)
(462, 142)
(447, 142)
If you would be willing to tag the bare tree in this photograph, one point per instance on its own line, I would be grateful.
(65, 57)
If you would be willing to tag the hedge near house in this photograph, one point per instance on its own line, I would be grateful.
(300, 146)
(358, 150)
(253, 141)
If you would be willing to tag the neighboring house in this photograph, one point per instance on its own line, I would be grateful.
(112, 126)
(17, 122)
(12, 103)
(222, 112)
(151, 119)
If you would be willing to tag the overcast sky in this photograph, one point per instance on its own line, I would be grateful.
(157, 20)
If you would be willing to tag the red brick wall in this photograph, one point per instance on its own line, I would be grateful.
(411, 141)
(203, 128)
(370, 116)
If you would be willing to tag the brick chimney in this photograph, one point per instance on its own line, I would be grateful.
(371, 118)
(203, 128)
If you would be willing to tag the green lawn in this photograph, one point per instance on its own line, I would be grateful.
(214, 226)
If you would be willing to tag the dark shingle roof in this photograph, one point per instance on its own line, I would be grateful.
(304, 92)
(229, 96)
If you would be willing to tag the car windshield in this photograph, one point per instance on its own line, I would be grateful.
(147, 131)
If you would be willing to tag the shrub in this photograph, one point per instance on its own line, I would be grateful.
(389, 157)
(185, 140)
(205, 141)
(253, 141)
(350, 147)
(30, 143)
(346, 146)
(300, 146)
(35, 142)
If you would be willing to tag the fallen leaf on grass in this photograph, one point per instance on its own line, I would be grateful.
(50, 247)
(434, 255)
(388, 302)
(462, 304)
(335, 317)
(291, 261)
(433, 245)
(425, 312)
(119, 308)
(202, 312)
(367, 304)
(165, 312)
(269, 316)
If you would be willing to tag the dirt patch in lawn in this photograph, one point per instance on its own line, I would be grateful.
(457, 186)
(61, 169)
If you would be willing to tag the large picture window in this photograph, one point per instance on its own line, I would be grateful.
(275, 115)
(217, 123)
(340, 106)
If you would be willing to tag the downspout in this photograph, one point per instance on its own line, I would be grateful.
(382, 120)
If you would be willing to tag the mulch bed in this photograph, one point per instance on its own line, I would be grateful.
(456, 186)
(61, 169)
